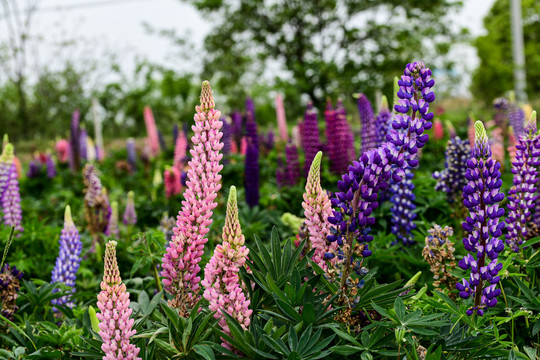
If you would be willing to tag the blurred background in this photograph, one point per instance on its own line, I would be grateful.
(57, 55)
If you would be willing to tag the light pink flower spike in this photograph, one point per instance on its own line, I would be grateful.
(281, 120)
(153, 139)
(221, 281)
(113, 303)
(180, 263)
(317, 209)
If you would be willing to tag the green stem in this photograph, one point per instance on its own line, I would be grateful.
(156, 276)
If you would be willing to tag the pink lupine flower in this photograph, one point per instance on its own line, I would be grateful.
(180, 150)
(281, 120)
(317, 209)
(180, 263)
(130, 216)
(438, 130)
(62, 150)
(221, 281)
(173, 186)
(243, 145)
(114, 316)
(153, 138)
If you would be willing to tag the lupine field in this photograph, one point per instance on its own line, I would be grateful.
(403, 236)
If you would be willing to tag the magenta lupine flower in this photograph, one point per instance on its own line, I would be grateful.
(171, 178)
(11, 201)
(482, 196)
(340, 148)
(369, 130)
(69, 258)
(281, 120)
(112, 226)
(151, 130)
(130, 216)
(223, 289)
(317, 209)
(383, 123)
(180, 263)
(62, 150)
(292, 169)
(114, 316)
(523, 194)
(310, 137)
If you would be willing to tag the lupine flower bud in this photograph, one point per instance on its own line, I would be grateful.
(69, 258)
(483, 227)
(9, 287)
(439, 253)
(114, 316)
(311, 142)
(369, 129)
(317, 209)
(523, 193)
(223, 289)
(180, 263)
(130, 216)
(151, 131)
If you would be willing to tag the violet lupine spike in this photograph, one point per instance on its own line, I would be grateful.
(34, 168)
(402, 209)
(236, 128)
(131, 154)
(11, 201)
(251, 169)
(6, 161)
(523, 193)
(180, 151)
(82, 143)
(317, 209)
(112, 226)
(357, 191)
(75, 141)
(51, 167)
(281, 120)
(223, 288)
(130, 216)
(383, 123)
(226, 130)
(516, 118)
(116, 327)
(310, 136)
(292, 170)
(250, 108)
(369, 129)
(151, 130)
(339, 144)
(452, 179)
(69, 258)
(180, 263)
(483, 226)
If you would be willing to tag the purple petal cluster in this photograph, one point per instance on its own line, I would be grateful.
(82, 144)
(383, 123)
(131, 154)
(51, 167)
(11, 201)
(403, 215)
(69, 258)
(75, 141)
(236, 128)
(357, 191)
(34, 168)
(523, 194)
(291, 173)
(481, 196)
(251, 169)
(369, 129)
(339, 135)
(226, 139)
(452, 179)
(310, 137)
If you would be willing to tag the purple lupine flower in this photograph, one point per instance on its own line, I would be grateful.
(482, 196)
(369, 129)
(51, 167)
(452, 179)
(236, 128)
(130, 216)
(226, 139)
(175, 132)
(82, 143)
(268, 140)
(402, 209)
(9, 288)
(523, 194)
(112, 226)
(11, 201)
(161, 140)
(310, 136)
(250, 108)
(292, 170)
(500, 105)
(516, 118)
(357, 196)
(34, 168)
(74, 141)
(280, 173)
(251, 169)
(383, 123)
(338, 137)
(131, 154)
(69, 258)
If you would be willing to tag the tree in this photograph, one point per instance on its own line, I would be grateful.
(321, 47)
(494, 74)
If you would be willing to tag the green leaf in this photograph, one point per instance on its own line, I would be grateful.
(205, 351)
(531, 242)
(345, 349)
(399, 308)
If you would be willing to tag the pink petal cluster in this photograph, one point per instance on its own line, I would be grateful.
(180, 263)
(317, 209)
(173, 186)
(180, 150)
(281, 120)
(114, 316)
(151, 130)
(62, 150)
(221, 281)
(438, 130)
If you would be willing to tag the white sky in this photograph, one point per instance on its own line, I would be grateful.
(118, 25)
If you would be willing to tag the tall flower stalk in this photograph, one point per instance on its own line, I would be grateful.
(483, 226)
(130, 215)
(151, 131)
(251, 169)
(112, 227)
(403, 215)
(116, 327)
(223, 288)
(451, 179)
(311, 141)
(281, 120)
(69, 258)
(180, 263)
(11, 201)
(96, 204)
(369, 129)
(523, 193)
(131, 154)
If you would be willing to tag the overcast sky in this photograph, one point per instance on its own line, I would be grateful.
(118, 24)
